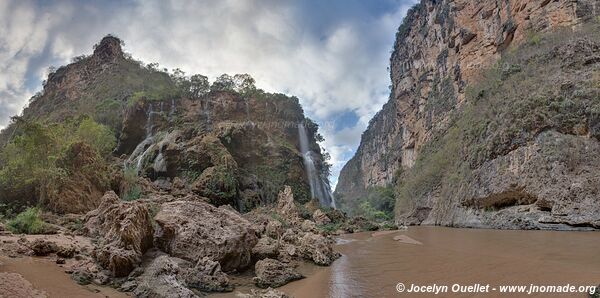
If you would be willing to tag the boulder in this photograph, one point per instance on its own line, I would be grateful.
(167, 276)
(192, 230)
(207, 276)
(272, 273)
(320, 217)
(266, 247)
(41, 247)
(286, 205)
(309, 226)
(163, 278)
(124, 231)
(291, 235)
(274, 229)
(318, 249)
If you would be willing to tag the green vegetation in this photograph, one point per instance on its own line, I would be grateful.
(27, 222)
(38, 159)
(131, 190)
(330, 227)
(221, 184)
(377, 205)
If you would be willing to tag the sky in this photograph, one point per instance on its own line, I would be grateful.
(333, 55)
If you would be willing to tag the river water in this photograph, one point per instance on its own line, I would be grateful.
(374, 263)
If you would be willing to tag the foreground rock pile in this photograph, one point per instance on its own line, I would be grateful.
(166, 246)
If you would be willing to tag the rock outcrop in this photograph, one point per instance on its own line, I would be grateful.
(318, 248)
(272, 273)
(163, 278)
(167, 276)
(193, 230)
(124, 232)
(442, 49)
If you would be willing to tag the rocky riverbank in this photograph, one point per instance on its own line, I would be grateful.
(167, 246)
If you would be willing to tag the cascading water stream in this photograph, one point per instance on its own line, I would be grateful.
(319, 187)
(143, 148)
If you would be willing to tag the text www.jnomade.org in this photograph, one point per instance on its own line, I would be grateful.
(436, 289)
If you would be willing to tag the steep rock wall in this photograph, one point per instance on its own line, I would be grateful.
(441, 48)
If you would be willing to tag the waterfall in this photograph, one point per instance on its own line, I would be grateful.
(319, 186)
(143, 148)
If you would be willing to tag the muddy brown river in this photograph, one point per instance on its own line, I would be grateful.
(374, 263)
(429, 258)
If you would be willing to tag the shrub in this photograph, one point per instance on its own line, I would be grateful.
(33, 163)
(330, 227)
(131, 190)
(27, 222)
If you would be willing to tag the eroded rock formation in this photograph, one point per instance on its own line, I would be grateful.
(442, 49)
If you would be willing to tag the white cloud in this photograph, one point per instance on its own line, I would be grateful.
(339, 67)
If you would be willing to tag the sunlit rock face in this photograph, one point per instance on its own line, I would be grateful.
(440, 51)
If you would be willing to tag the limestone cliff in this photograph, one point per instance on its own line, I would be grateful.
(442, 49)
(229, 142)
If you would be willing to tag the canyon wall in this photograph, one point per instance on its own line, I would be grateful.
(441, 50)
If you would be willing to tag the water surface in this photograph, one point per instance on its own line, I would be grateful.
(373, 264)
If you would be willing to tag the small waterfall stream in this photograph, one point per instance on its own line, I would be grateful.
(319, 187)
(145, 146)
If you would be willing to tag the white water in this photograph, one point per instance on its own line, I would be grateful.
(319, 187)
(144, 147)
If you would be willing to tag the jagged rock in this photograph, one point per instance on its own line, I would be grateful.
(285, 203)
(193, 230)
(274, 229)
(167, 276)
(41, 247)
(318, 248)
(272, 273)
(266, 247)
(290, 236)
(108, 49)
(320, 217)
(13, 285)
(163, 278)
(428, 63)
(66, 252)
(82, 276)
(124, 230)
(309, 226)
(207, 276)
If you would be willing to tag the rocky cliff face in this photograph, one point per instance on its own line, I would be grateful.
(230, 142)
(441, 50)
